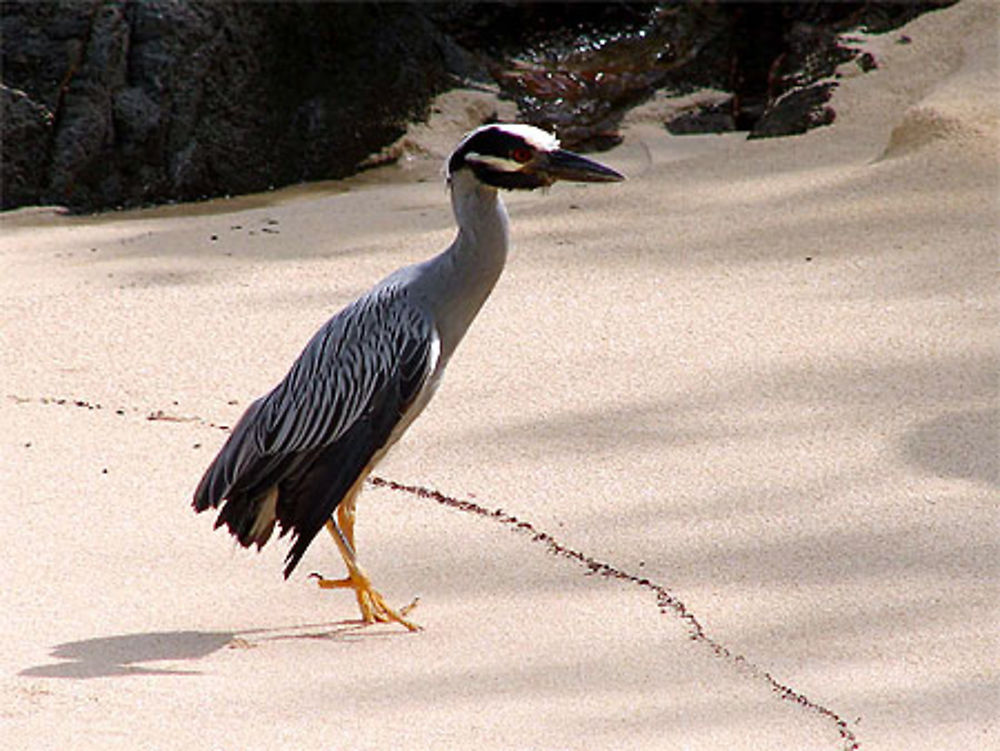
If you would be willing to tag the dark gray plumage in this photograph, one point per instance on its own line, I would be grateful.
(323, 424)
(298, 456)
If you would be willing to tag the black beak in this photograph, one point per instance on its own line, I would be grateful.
(565, 165)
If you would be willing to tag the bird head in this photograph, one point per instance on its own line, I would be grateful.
(522, 157)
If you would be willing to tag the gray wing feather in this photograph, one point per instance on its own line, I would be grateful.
(382, 340)
(332, 383)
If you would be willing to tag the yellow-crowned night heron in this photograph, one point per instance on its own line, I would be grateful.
(303, 451)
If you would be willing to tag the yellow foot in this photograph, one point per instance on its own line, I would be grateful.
(374, 608)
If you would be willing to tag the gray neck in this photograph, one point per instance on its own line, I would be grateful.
(461, 278)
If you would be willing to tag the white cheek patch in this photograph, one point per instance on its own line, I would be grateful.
(496, 162)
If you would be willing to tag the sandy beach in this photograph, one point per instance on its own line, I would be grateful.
(715, 468)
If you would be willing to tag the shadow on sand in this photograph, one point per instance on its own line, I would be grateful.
(129, 654)
(959, 444)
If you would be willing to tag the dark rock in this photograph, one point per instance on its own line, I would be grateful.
(714, 118)
(114, 103)
(577, 70)
(866, 61)
(27, 128)
(795, 81)
(796, 112)
(580, 67)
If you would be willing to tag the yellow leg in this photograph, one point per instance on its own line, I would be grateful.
(346, 514)
(373, 606)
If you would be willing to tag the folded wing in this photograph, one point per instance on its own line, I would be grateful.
(298, 450)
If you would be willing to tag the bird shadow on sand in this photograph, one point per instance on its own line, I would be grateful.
(136, 654)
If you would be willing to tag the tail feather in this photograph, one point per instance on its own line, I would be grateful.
(222, 473)
(250, 520)
(298, 491)
(244, 483)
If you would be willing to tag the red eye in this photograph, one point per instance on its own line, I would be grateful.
(521, 154)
